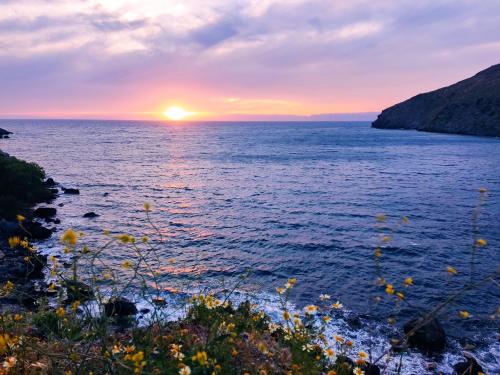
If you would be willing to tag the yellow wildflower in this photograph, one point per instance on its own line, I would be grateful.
(482, 190)
(20, 218)
(117, 348)
(339, 339)
(389, 289)
(408, 281)
(400, 295)
(186, 370)
(69, 237)
(145, 239)
(331, 372)
(326, 318)
(358, 371)
(380, 218)
(127, 264)
(125, 238)
(60, 312)
(129, 349)
(481, 242)
(406, 220)
(377, 252)
(75, 305)
(14, 241)
(464, 314)
(8, 287)
(386, 239)
(362, 355)
(18, 317)
(4, 342)
(147, 207)
(280, 290)
(286, 315)
(201, 358)
(451, 270)
(105, 232)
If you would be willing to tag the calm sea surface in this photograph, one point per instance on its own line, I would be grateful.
(287, 199)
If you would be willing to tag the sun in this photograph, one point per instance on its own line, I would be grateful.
(176, 113)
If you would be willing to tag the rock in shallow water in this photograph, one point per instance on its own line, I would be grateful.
(90, 215)
(45, 212)
(70, 191)
(429, 338)
(469, 367)
(120, 307)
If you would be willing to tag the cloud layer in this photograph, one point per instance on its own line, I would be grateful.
(131, 58)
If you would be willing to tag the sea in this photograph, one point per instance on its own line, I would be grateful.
(274, 200)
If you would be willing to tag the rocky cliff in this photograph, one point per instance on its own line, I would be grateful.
(471, 106)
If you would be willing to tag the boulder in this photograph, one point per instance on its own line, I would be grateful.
(70, 191)
(429, 338)
(370, 369)
(119, 307)
(45, 212)
(90, 215)
(50, 182)
(469, 366)
(36, 230)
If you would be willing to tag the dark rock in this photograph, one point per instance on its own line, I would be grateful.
(90, 215)
(54, 221)
(370, 369)
(429, 338)
(6, 136)
(36, 231)
(70, 191)
(8, 228)
(471, 106)
(144, 311)
(469, 367)
(25, 294)
(50, 182)
(4, 132)
(120, 307)
(61, 204)
(45, 212)
(77, 291)
(105, 194)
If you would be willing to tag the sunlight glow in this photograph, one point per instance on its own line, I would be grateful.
(176, 113)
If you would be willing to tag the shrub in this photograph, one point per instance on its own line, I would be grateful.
(21, 186)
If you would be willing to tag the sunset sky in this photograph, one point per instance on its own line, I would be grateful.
(235, 59)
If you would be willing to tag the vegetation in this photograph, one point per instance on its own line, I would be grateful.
(21, 186)
(81, 324)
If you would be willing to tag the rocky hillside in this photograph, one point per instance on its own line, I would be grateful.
(471, 106)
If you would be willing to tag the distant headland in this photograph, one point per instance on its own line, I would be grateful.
(471, 106)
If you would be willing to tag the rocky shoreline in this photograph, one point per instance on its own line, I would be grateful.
(25, 269)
